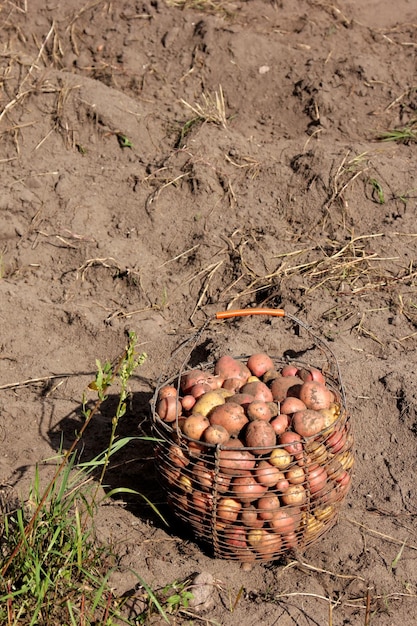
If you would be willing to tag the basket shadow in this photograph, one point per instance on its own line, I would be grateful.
(132, 467)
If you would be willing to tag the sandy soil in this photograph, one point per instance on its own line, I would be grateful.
(122, 209)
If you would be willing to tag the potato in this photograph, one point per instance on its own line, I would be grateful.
(267, 544)
(228, 367)
(206, 478)
(267, 506)
(167, 391)
(234, 459)
(246, 489)
(315, 395)
(280, 387)
(258, 409)
(195, 425)
(228, 509)
(260, 363)
(229, 415)
(259, 390)
(311, 373)
(280, 458)
(280, 423)
(295, 495)
(168, 409)
(292, 443)
(292, 405)
(308, 423)
(191, 378)
(261, 436)
(267, 474)
(284, 520)
(207, 402)
(249, 517)
(216, 434)
(244, 399)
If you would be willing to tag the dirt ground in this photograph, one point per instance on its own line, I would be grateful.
(161, 161)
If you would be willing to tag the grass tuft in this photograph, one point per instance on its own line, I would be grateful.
(53, 571)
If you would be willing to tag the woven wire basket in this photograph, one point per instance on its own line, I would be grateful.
(202, 480)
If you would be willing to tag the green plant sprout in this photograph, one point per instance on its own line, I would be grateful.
(124, 142)
(404, 135)
(377, 191)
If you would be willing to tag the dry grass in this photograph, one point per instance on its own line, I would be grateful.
(217, 7)
(212, 108)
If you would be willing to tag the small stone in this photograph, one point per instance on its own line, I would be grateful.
(264, 69)
(202, 587)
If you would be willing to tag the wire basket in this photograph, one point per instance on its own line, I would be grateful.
(257, 504)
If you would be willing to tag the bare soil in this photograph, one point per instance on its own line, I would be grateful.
(132, 201)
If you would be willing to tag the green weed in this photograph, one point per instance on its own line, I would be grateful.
(52, 569)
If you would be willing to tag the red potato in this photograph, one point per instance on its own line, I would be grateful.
(234, 459)
(260, 363)
(228, 367)
(168, 409)
(191, 378)
(187, 402)
(280, 423)
(194, 426)
(259, 390)
(292, 443)
(267, 474)
(199, 389)
(258, 409)
(167, 391)
(311, 373)
(235, 537)
(261, 436)
(308, 423)
(244, 399)
(215, 382)
(316, 478)
(216, 434)
(177, 456)
(282, 484)
(229, 415)
(284, 520)
(315, 395)
(289, 370)
(207, 478)
(292, 405)
(234, 384)
(195, 448)
(267, 506)
(281, 387)
(201, 502)
(249, 517)
(246, 489)
(290, 540)
(336, 441)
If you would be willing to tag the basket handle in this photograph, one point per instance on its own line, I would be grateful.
(224, 315)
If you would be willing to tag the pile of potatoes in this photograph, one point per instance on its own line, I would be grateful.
(257, 458)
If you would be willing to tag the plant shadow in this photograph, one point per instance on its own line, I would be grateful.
(132, 466)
